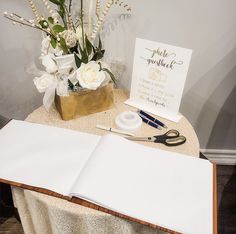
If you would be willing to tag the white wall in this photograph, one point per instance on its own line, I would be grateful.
(207, 27)
(19, 46)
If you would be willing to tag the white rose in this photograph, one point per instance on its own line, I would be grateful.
(43, 82)
(49, 63)
(89, 75)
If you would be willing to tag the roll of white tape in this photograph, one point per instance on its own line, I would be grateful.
(128, 121)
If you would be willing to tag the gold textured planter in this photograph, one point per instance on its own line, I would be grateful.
(85, 102)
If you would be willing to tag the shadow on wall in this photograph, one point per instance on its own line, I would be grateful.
(18, 94)
(216, 122)
(210, 105)
(223, 133)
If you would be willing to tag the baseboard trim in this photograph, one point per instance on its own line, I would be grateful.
(220, 157)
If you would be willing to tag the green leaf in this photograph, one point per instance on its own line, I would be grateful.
(89, 45)
(100, 43)
(100, 66)
(78, 85)
(62, 9)
(95, 56)
(71, 86)
(61, 13)
(94, 50)
(43, 23)
(110, 74)
(98, 55)
(98, 51)
(57, 2)
(77, 60)
(53, 42)
(84, 56)
(63, 45)
(80, 49)
(50, 20)
(58, 28)
(62, 1)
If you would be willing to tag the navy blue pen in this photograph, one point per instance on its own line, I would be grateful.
(150, 123)
(152, 118)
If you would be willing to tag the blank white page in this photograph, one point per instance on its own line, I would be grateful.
(43, 156)
(164, 188)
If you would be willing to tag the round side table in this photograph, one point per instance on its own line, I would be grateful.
(40, 213)
(107, 118)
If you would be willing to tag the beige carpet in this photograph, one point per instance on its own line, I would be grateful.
(11, 226)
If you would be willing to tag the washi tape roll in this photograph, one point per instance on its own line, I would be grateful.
(128, 121)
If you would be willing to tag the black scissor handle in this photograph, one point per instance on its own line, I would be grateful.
(171, 133)
(170, 138)
(175, 141)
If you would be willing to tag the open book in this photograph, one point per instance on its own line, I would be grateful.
(161, 188)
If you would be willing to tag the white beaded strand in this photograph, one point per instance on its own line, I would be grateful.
(33, 7)
(18, 20)
(47, 5)
(90, 19)
(70, 20)
(102, 18)
(98, 8)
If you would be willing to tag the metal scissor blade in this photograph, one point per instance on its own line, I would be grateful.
(150, 139)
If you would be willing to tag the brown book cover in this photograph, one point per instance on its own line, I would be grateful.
(100, 208)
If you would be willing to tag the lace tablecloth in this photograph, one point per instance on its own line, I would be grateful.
(43, 214)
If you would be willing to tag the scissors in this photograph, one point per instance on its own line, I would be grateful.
(170, 138)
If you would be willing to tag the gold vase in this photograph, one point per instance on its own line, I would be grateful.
(85, 102)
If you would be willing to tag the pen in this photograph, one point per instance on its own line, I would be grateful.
(150, 123)
(152, 118)
(114, 130)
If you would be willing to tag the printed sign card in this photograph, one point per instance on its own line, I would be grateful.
(159, 74)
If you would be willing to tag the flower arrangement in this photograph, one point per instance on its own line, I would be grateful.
(72, 49)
